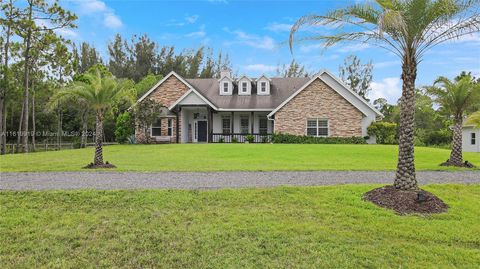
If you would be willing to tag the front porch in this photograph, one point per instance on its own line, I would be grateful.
(202, 124)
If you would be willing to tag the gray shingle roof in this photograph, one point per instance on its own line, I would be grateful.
(280, 90)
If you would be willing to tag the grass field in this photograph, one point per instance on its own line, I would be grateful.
(232, 157)
(286, 227)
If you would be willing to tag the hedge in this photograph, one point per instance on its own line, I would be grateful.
(302, 139)
(385, 132)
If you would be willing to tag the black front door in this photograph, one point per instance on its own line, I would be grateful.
(202, 131)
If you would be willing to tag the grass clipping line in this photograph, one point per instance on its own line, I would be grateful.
(406, 202)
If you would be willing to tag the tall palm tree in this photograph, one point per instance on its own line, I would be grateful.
(100, 93)
(407, 28)
(454, 98)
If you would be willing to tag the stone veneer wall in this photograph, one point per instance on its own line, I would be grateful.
(166, 94)
(318, 100)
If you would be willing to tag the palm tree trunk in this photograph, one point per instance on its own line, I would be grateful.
(405, 176)
(98, 160)
(456, 157)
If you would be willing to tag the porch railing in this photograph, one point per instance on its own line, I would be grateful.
(240, 138)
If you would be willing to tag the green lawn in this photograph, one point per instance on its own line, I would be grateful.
(285, 227)
(228, 157)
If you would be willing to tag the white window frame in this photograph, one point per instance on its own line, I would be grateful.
(244, 117)
(317, 127)
(473, 138)
(244, 87)
(229, 125)
(259, 125)
(225, 87)
(152, 126)
(263, 86)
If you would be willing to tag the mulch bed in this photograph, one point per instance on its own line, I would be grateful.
(406, 202)
(105, 165)
(465, 164)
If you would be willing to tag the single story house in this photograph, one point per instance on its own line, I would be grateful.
(228, 109)
(470, 136)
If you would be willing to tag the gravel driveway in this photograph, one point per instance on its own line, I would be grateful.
(213, 180)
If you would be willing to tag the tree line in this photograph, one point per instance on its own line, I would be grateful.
(37, 61)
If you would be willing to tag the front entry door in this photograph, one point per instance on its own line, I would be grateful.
(202, 131)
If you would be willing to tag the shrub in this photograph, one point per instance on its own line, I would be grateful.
(385, 132)
(440, 137)
(221, 140)
(131, 139)
(250, 138)
(302, 139)
(124, 127)
(234, 140)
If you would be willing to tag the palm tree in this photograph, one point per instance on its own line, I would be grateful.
(100, 92)
(407, 28)
(454, 98)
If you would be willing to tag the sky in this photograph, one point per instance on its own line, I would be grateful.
(255, 35)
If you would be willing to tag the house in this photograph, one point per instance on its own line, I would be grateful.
(470, 136)
(228, 109)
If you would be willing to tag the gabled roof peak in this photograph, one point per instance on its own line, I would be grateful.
(263, 76)
(244, 76)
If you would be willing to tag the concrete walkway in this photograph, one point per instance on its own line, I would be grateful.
(214, 180)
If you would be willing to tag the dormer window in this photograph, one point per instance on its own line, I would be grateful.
(263, 86)
(244, 87)
(225, 86)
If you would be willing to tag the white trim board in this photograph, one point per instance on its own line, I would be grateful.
(192, 90)
(319, 76)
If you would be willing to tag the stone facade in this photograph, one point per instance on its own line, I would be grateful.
(166, 94)
(319, 101)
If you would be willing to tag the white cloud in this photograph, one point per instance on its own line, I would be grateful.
(191, 19)
(353, 47)
(309, 48)
(198, 34)
(91, 6)
(67, 33)
(279, 27)
(188, 19)
(112, 21)
(261, 68)
(386, 64)
(389, 88)
(255, 41)
(99, 8)
(472, 38)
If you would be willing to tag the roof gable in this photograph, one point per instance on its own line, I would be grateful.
(330, 80)
(192, 97)
(160, 83)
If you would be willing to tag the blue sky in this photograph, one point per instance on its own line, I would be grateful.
(254, 33)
